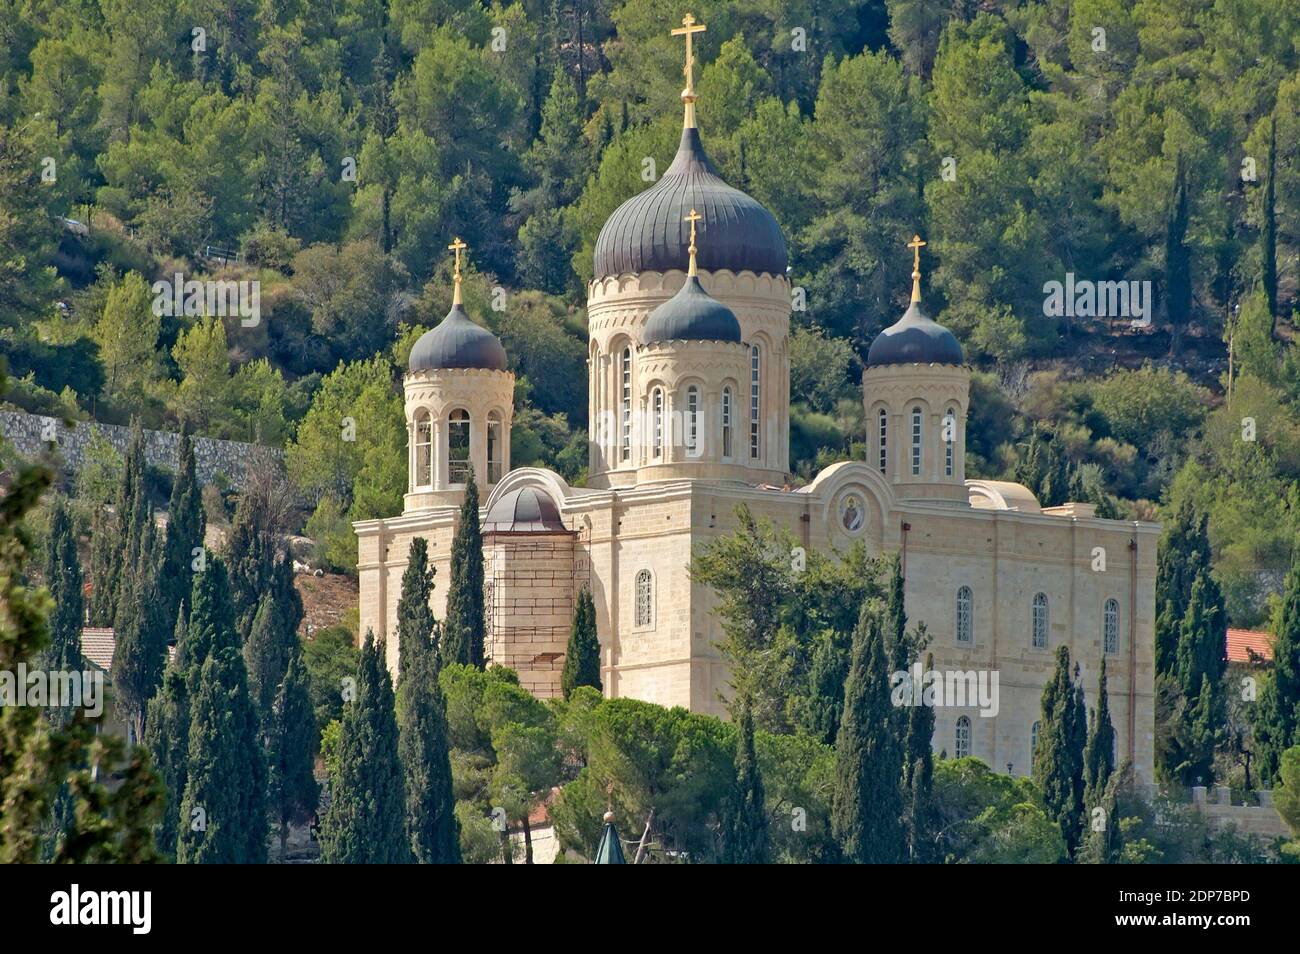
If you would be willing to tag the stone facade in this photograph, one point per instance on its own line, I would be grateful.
(30, 435)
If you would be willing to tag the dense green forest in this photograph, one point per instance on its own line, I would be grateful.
(332, 150)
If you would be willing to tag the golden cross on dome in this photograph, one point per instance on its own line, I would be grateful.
(457, 246)
(692, 218)
(688, 29)
(915, 246)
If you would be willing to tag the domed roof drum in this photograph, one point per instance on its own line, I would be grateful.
(646, 233)
(457, 342)
(914, 339)
(526, 510)
(691, 315)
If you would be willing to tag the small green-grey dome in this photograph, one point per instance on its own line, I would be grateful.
(457, 342)
(691, 315)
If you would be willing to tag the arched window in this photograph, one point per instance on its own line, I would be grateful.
(1033, 740)
(754, 419)
(692, 421)
(657, 407)
(458, 459)
(625, 405)
(495, 449)
(726, 422)
(423, 449)
(916, 441)
(644, 599)
(1039, 620)
(965, 635)
(884, 440)
(1110, 626)
(949, 440)
(961, 744)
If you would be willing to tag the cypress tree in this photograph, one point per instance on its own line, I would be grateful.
(1268, 238)
(415, 623)
(745, 836)
(867, 804)
(1183, 553)
(431, 822)
(918, 778)
(223, 812)
(105, 565)
(365, 821)
(273, 639)
(463, 630)
(1277, 715)
(185, 528)
(1203, 636)
(1058, 757)
(167, 732)
(250, 553)
(63, 580)
(1099, 753)
(292, 744)
(582, 658)
(1178, 258)
(141, 631)
(211, 626)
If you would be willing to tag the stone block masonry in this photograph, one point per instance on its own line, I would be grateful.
(230, 459)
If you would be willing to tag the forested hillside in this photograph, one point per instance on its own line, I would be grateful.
(331, 151)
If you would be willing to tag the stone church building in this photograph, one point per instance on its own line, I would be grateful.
(689, 400)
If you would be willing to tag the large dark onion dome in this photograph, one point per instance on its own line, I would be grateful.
(457, 343)
(915, 338)
(646, 233)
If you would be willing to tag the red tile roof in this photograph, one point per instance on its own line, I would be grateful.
(97, 645)
(1249, 645)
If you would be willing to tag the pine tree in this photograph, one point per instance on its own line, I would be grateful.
(867, 804)
(463, 630)
(185, 529)
(167, 736)
(365, 821)
(745, 836)
(1277, 715)
(63, 580)
(223, 816)
(1058, 758)
(273, 639)
(292, 744)
(415, 622)
(1099, 753)
(423, 745)
(582, 657)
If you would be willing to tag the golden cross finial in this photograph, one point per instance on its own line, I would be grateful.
(457, 246)
(692, 218)
(915, 246)
(688, 29)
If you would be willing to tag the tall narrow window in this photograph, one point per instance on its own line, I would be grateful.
(692, 421)
(1033, 740)
(754, 420)
(726, 422)
(961, 744)
(657, 406)
(458, 459)
(1110, 626)
(495, 448)
(916, 441)
(965, 636)
(423, 448)
(1039, 620)
(625, 439)
(949, 440)
(644, 599)
(884, 440)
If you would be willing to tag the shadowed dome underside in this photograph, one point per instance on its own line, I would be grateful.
(526, 510)
(647, 232)
(691, 315)
(914, 339)
(457, 342)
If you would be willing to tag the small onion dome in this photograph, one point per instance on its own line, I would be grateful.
(524, 510)
(691, 315)
(914, 339)
(646, 234)
(457, 342)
